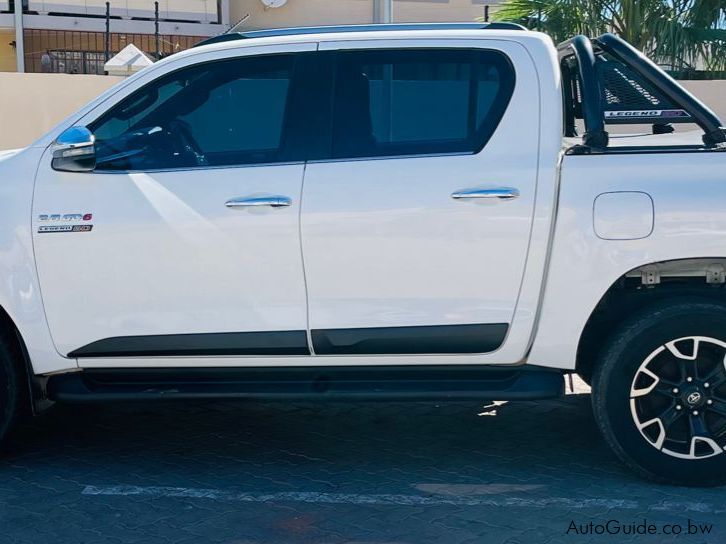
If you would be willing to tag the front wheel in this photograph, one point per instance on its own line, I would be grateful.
(659, 393)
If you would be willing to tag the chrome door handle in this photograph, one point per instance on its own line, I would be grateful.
(502, 193)
(271, 201)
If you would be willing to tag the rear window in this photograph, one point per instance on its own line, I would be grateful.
(418, 101)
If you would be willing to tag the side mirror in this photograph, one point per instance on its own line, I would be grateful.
(74, 151)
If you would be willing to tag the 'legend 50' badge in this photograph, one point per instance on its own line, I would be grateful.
(65, 228)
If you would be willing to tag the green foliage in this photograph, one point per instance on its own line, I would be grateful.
(680, 34)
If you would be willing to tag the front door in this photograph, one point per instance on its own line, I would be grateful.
(415, 235)
(184, 242)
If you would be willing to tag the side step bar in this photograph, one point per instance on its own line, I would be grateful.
(420, 383)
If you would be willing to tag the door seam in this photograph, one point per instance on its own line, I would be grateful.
(308, 332)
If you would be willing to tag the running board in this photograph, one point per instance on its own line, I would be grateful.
(414, 383)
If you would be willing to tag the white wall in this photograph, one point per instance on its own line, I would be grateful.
(713, 93)
(31, 104)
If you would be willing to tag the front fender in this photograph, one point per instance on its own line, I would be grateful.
(20, 294)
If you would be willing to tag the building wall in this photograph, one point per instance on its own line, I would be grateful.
(439, 10)
(31, 104)
(7, 52)
(328, 12)
(712, 93)
(300, 13)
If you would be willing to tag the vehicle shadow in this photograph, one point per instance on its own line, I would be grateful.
(304, 472)
(449, 442)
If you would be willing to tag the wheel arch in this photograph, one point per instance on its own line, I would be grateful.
(640, 287)
(33, 392)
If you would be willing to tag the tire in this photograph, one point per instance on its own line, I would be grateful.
(641, 379)
(11, 392)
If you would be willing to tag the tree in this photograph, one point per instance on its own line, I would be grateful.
(680, 34)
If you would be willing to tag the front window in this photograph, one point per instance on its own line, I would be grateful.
(221, 113)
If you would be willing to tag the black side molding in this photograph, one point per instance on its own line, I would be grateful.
(478, 338)
(414, 383)
(222, 343)
(437, 339)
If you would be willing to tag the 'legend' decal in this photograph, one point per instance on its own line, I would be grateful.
(65, 228)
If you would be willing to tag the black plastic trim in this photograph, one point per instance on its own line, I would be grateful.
(413, 383)
(308, 124)
(641, 150)
(477, 338)
(569, 103)
(208, 344)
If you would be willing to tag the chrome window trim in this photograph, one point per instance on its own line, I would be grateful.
(394, 157)
(198, 168)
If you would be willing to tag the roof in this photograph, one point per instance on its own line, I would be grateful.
(298, 31)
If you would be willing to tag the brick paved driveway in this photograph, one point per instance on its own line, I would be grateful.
(329, 473)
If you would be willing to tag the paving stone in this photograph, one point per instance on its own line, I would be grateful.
(328, 473)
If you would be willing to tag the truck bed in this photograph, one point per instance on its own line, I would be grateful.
(691, 138)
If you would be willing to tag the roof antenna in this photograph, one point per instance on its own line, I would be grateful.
(234, 26)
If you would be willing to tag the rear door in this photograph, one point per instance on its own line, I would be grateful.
(416, 231)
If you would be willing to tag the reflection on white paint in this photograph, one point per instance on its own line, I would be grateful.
(189, 224)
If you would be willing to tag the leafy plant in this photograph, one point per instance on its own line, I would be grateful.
(679, 34)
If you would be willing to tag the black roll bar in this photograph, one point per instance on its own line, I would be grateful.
(581, 49)
(714, 132)
(592, 113)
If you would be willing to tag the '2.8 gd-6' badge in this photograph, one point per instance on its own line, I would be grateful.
(58, 220)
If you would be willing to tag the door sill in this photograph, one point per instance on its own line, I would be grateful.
(413, 383)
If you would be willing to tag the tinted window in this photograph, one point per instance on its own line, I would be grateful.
(409, 102)
(222, 113)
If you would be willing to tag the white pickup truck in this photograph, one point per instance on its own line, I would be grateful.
(422, 212)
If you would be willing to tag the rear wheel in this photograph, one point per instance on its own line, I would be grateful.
(659, 393)
(10, 385)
